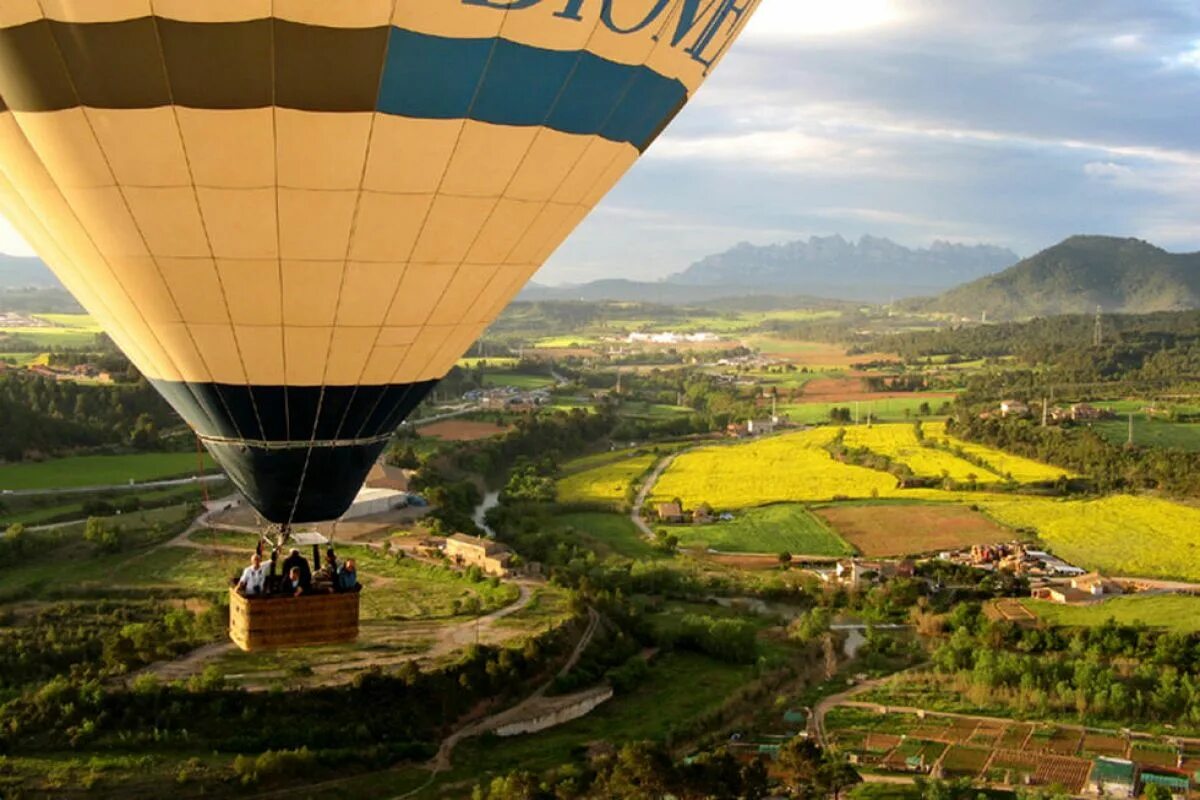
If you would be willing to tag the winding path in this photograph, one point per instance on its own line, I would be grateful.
(635, 514)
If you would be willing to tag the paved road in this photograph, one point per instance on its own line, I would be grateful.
(458, 412)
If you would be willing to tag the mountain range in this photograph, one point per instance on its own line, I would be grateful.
(871, 268)
(25, 273)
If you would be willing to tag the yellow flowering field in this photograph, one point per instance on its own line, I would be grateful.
(792, 467)
(1023, 470)
(605, 484)
(1118, 535)
(899, 443)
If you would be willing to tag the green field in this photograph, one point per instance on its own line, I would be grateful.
(609, 534)
(679, 687)
(1177, 613)
(1151, 433)
(771, 529)
(652, 411)
(517, 380)
(79, 471)
(70, 506)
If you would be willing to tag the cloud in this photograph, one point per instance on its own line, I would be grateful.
(13, 243)
(1106, 169)
(789, 20)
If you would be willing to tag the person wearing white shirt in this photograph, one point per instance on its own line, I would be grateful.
(254, 577)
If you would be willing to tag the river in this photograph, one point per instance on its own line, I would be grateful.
(490, 501)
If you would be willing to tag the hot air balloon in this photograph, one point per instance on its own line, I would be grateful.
(294, 216)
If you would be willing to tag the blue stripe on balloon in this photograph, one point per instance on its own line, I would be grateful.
(506, 83)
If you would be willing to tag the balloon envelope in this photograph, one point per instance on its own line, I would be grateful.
(294, 216)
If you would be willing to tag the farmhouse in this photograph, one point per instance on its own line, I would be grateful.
(670, 512)
(1096, 585)
(1013, 408)
(1111, 777)
(385, 476)
(703, 514)
(760, 427)
(1083, 412)
(1065, 595)
(491, 557)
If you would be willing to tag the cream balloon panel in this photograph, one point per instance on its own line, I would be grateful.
(313, 281)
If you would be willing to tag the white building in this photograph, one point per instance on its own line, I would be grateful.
(375, 501)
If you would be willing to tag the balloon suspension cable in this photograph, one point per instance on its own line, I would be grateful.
(200, 469)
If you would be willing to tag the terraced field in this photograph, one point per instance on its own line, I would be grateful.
(1022, 470)
(899, 442)
(789, 468)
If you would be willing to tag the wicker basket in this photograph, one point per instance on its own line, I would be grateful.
(262, 623)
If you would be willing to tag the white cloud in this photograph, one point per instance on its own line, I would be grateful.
(1106, 170)
(794, 19)
(1188, 59)
(11, 242)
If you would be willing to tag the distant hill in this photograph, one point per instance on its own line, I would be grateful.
(832, 262)
(24, 273)
(871, 269)
(1074, 277)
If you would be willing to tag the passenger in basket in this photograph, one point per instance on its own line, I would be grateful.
(254, 577)
(347, 577)
(293, 585)
(297, 562)
(324, 580)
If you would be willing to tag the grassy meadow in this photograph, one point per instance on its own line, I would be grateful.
(80, 471)
(1177, 613)
(770, 529)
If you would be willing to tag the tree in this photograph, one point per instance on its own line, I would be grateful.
(15, 538)
(100, 534)
(785, 559)
(1155, 791)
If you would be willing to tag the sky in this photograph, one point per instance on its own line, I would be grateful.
(1010, 122)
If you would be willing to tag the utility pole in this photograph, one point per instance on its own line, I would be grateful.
(1045, 411)
(1098, 333)
(855, 412)
(1129, 442)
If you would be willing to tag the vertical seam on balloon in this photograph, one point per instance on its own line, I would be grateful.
(287, 411)
(362, 179)
(421, 230)
(20, 195)
(579, 56)
(141, 234)
(204, 227)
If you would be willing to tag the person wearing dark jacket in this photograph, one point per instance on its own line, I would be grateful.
(297, 562)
